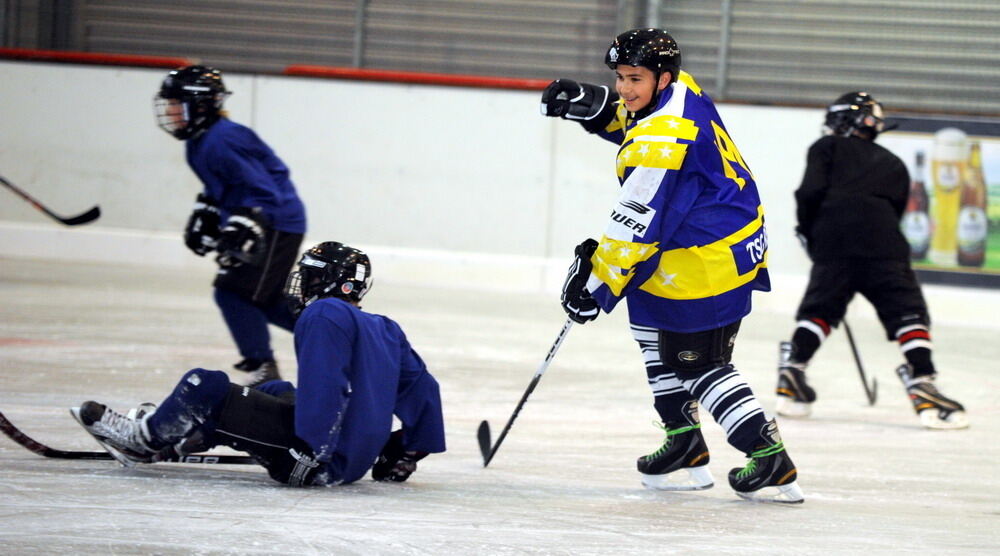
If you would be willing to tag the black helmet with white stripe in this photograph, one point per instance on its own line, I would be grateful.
(330, 269)
(189, 100)
(855, 111)
(653, 49)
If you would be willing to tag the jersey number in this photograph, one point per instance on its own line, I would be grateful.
(730, 155)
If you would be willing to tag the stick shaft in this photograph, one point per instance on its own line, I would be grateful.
(32, 445)
(531, 388)
(870, 391)
(93, 214)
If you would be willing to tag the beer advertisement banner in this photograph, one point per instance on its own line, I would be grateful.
(952, 220)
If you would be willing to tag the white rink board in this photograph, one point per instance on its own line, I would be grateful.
(564, 480)
(409, 166)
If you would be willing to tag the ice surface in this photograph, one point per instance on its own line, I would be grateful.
(564, 481)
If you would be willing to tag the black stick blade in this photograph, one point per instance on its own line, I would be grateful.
(89, 216)
(484, 441)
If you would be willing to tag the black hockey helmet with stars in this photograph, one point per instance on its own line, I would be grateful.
(653, 49)
(330, 269)
(189, 100)
(854, 111)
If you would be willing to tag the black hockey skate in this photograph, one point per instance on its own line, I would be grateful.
(681, 463)
(260, 371)
(795, 396)
(121, 436)
(770, 475)
(936, 411)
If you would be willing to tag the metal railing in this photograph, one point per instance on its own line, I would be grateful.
(921, 55)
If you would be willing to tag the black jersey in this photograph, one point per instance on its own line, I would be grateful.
(851, 200)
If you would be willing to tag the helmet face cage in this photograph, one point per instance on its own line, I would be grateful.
(189, 101)
(857, 111)
(329, 269)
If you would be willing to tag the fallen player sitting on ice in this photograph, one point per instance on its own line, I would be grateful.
(355, 371)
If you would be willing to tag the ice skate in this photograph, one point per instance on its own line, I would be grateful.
(769, 475)
(935, 410)
(121, 436)
(681, 463)
(795, 396)
(259, 371)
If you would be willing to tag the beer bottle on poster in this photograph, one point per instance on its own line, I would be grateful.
(916, 222)
(972, 223)
(949, 165)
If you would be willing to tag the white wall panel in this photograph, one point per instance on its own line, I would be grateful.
(460, 173)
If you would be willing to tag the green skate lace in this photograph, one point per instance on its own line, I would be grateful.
(670, 432)
(751, 465)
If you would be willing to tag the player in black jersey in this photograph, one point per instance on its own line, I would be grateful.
(848, 207)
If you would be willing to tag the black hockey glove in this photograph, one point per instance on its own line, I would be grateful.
(591, 105)
(202, 229)
(576, 299)
(242, 239)
(395, 463)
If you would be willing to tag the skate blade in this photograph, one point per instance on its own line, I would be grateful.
(784, 494)
(691, 478)
(787, 407)
(931, 419)
(119, 457)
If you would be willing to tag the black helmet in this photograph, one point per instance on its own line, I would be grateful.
(199, 92)
(330, 269)
(855, 111)
(653, 49)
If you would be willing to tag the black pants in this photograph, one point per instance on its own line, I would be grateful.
(890, 286)
(264, 426)
(263, 284)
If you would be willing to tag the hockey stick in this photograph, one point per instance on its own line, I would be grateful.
(93, 214)
(33, 445)
(484, 428)
(870, 391)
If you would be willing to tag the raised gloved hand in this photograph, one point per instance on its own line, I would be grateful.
(395, 463)
(576, 300)
(242, 239)
(202, 229)
(569, 100)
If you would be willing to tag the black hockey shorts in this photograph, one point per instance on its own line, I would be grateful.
(262, 284)
(264, 426)
(890, 286)
(690, 354)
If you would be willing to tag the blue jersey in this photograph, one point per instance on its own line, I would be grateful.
(686, 242)
(240, 170)
(357, 370)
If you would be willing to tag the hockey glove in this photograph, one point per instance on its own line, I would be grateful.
(202, 229)
(591, 105)
(395, 463)
(242, 239)
(576, 299)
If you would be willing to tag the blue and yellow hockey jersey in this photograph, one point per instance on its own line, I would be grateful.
(686, 243)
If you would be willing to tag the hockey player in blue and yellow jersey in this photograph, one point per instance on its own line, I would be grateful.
(686, 245)
(356, 371)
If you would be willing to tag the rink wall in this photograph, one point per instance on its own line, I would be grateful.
(447, 185)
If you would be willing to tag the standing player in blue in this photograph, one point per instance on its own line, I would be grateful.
(356, 370)
(248, 212)
(686, 246)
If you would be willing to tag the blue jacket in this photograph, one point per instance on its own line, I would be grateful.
(357, 370)
(240, 170)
